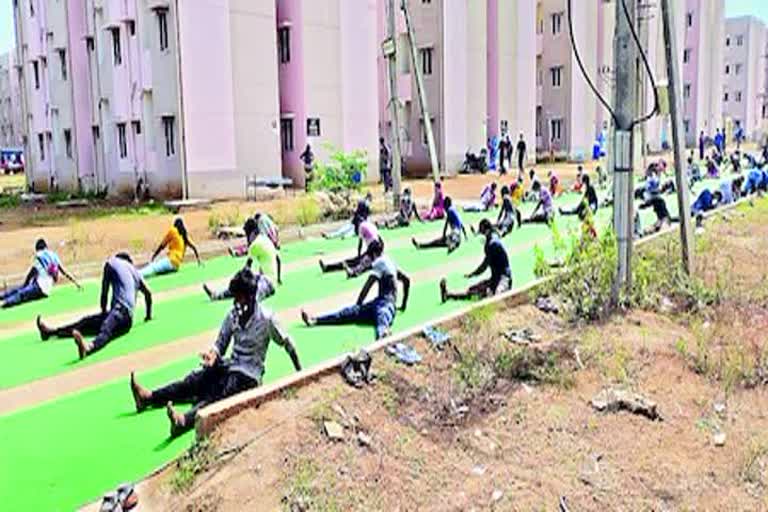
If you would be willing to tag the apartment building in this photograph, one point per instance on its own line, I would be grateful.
(566, 110)
(477, 60)
(512, 50)
(10, 103)
(702, 68)
(328, 80)
(123, 93)
(744, 78)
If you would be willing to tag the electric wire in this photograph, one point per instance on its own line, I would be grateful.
(583, 70)
(647, 66)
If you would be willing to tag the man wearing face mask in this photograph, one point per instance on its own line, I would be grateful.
(249, 328)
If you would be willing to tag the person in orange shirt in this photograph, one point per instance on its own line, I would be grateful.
(176, 240)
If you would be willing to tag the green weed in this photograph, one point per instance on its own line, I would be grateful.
(197, 459)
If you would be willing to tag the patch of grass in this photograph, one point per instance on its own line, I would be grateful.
(322, 411)
(303, 491)
(9, 201)
(289, 393)
(752, 465)
(229, 218)
(307, 211)
(478, 318)
(196, 460)
(473, 371)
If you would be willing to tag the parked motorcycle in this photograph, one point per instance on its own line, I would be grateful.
(475, 163)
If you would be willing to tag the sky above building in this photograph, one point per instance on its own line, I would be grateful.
(757, 8)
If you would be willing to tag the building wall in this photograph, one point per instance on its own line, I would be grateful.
(704, 39)
(11, 130)
(744, 74)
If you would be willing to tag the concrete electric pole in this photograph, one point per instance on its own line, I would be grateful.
(390, 52)
(422, 92)
(675, 104)
(625, 104)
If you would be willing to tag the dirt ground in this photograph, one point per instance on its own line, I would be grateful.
(489, 425)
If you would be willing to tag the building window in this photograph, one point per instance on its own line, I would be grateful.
(687, 125)
(737, 69)
(686, 55)
(557, 23)
(539, 118)
(284, 44)
(169, 127)
(32, 8)
(63, 62)
(41, 145)
(765, 111)
(162, 28)
(426, 1)
(286, 135)
(68, 142)
(556, 75)
(737, 97)
(36, 73)
(689, 19)
(687, 91)
(136, 127)
(556, 129)
(89, 43)
(122, 140)
(727, 41)
(725, 97)
(96, 132)
(727, 69)
(739, 40)
(131, 27)
(117, 53)
(426, 60)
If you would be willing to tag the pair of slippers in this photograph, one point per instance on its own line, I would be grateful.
(404, 353)
(547, 305)
(120, 500)
(523, 336)
(436, 337)
(356, 369)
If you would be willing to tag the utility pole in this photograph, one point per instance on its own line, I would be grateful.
(390, 52)
(422, 92)
(675, 103)
(625, 105)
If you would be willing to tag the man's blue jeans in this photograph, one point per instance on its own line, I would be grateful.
(379, 312)
(21, 294)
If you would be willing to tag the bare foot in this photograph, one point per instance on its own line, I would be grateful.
(307, 319)
(45, 332)
(415, 243)
(322, 265)
(208, 291)
(443, 290)
(178, 423)
(140, 394)
(83, 347)
(231, 252)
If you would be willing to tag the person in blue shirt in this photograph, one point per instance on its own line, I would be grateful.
(756, 181)
(44, 273)
(452, 231)
(496, 259)
(706, 201)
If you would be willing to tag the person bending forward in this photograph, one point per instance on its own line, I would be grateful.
(381, 310)
(452, 231)
(125, 281)
(249, 328)
(496, 258)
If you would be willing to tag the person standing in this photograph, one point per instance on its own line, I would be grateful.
(522, 149)
(125, 281)
(40, 279)
(308, 159)
(701, 145)
(385, 164)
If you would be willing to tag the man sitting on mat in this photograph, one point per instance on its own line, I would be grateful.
(496, 258)
(249, 328)
(452, 231)
(403, 217)
(125, 281)
(44, 273)
(381, 310)
(367, 233)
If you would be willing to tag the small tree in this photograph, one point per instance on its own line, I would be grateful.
(344, 171)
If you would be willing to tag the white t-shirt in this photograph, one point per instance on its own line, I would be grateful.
(385, 270)
(47, 264)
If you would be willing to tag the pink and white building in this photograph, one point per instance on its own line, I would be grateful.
(10, 103)
(744, 78)
(328, 80)
(702, 68)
